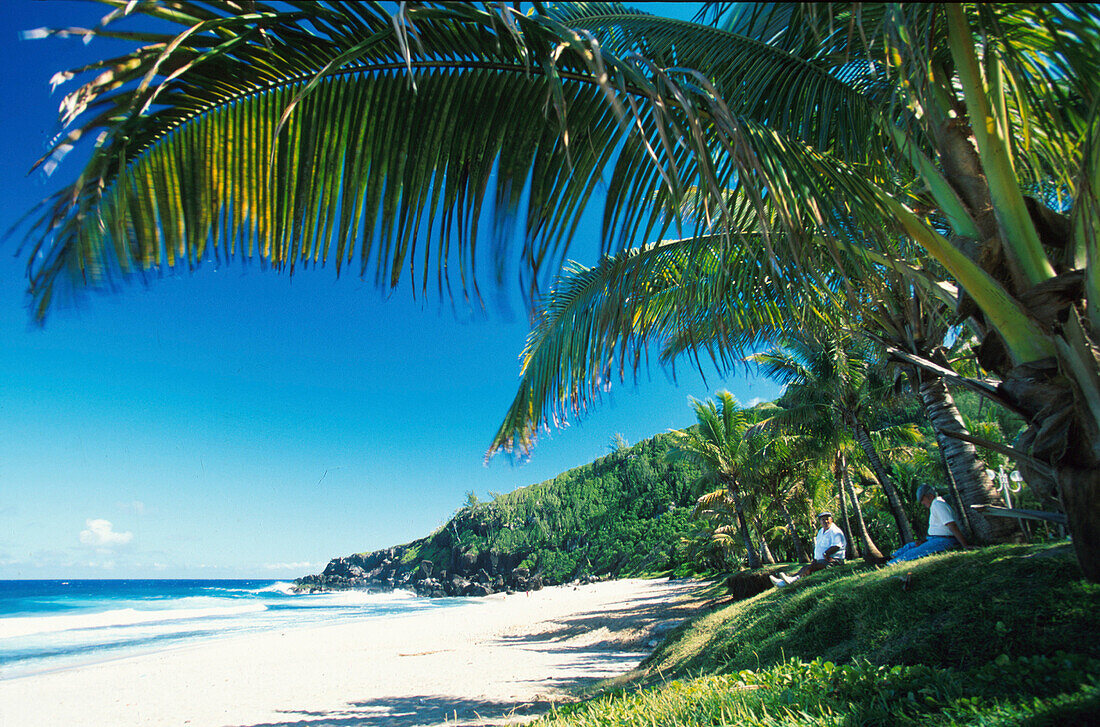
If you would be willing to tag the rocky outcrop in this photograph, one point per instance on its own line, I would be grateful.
(452, 573)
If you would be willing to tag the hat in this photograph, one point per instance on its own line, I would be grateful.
(824, 513)
(925, 490)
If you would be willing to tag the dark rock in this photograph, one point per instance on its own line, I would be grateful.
(747, 585)
(477, 589)
(466, 562)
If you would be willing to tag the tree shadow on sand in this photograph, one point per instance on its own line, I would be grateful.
(413, 711)
(628, 624)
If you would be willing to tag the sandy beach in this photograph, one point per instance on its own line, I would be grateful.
(495, 660)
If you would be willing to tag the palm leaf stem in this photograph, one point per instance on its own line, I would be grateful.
(1086, 219)
(1026, 341)
(938, 186)
(1019, 233)
(985, 388)
(943, 290)
(1010, 452)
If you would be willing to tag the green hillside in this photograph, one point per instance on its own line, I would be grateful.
(624, 514)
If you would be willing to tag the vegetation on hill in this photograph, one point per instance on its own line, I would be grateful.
(654, 507)
(623, 514)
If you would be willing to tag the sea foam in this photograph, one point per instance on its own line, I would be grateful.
(27, 625)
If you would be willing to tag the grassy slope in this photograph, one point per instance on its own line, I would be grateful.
(968, 641)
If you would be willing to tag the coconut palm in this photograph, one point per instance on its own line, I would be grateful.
(868, 549)
(718, 444)
(904, 317)
(304, 133)
(778, 480)
(827, 443)
(834, 380)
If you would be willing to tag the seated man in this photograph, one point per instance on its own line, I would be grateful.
(829, 548)
(943, 530)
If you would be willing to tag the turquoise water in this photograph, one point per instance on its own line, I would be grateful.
(47, 625)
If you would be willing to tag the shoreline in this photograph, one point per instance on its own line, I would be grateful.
(498, 659)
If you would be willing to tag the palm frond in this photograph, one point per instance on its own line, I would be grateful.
(327, 133)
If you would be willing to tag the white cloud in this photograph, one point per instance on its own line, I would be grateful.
(754, 401)
(101, 534)
(288, 566)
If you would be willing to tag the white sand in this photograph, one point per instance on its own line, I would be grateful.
(492, 661)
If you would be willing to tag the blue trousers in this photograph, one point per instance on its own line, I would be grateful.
(912, 551)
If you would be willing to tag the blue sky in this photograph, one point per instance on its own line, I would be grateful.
(236, 423)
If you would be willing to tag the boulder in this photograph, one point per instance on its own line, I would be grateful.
(477, 589)
(466, 562)
(747, 584)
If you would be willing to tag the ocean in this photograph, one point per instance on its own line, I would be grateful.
(49, 625)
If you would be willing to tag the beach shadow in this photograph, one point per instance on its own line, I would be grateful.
(413, 711)
(629, 626)
(627, 623)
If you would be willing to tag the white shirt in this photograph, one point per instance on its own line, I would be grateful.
(827, 538)
(938, 516)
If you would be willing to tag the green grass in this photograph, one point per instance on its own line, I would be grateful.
(999, 636)
(1056, 690)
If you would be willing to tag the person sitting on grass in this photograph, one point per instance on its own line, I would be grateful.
(943, 529)
(829, 548)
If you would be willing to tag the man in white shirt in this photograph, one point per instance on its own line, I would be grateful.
(829, 548)
(943, 530)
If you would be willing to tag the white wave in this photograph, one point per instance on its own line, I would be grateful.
(358, 598)
(28, 625)
(280, 587)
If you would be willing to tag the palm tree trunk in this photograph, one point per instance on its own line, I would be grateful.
(765, 552)
(905, 531)
(956, 500)
(753, 557)
(963, 465)
(851, 549)
(1064, 438)
(871, 552)
(798, 550)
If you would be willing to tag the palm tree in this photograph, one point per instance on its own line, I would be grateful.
(834, 380)
(269, 131)
(718, 444)
(778, 478)
(907, 318)
(869, 551)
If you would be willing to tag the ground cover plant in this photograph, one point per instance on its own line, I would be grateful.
(1000, 636)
